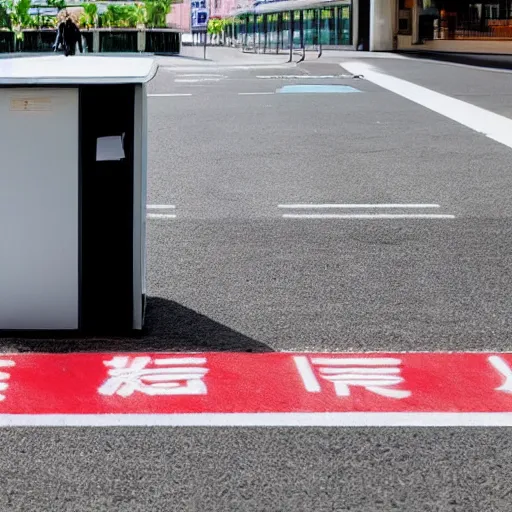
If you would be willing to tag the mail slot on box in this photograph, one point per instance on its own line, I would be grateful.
(73, 144)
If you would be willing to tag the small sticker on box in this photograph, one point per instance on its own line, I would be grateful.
(31, 104)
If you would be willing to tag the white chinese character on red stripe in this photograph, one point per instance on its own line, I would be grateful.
(159, 376)
(501, 365)
(379, 375)
(4, 376)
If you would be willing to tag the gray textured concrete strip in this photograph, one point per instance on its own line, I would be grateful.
(364, 470)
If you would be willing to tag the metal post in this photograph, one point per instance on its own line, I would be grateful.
(278, 26)
(259, 35)
(290, 35)
(265, 30)
(319, 31)
(301, 28)
(336, 25)
(206, 28)
(301, 35)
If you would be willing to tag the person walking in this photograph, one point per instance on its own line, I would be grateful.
(68, 36)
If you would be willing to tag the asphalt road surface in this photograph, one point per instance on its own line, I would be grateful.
(231, 148)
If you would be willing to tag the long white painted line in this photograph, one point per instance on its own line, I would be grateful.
(221, 68)
(169, 95)
(367, 216)
(160, 207)
(161, 216)
(375, 352)
(195, 80)
(347, 205)
(255, 93)
(300, 77)
(494, 126)
(287, 419)
(203, 75)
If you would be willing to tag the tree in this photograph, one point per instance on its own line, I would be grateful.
(89, 18)
(215, 28)
(124, 16)
(5, 19)
(34, 22)
(59, 4)
(112, 16)
(129, 16)
(157, 11)
(141, 14)
(20, 17)
(47, 21)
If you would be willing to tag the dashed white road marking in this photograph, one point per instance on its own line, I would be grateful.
(211, 75)
(196, 80)
(255, 93)
(220, 67)
(368, 216)
(169, 95)
(161, 216)
(494, 126)
(368, 205)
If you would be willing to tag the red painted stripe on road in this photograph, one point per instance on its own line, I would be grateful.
(213, 383)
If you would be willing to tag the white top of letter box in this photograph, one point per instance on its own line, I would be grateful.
(76, 70)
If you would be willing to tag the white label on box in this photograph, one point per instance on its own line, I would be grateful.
(110, 148)
(31, 104)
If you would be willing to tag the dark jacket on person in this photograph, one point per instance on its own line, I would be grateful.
(68, 35)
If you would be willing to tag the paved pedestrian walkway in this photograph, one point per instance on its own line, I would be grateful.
(485, 60)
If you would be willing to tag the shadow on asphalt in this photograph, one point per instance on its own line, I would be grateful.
(169, 327)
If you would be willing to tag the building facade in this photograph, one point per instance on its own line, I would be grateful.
(455, 25)
(375, 25)
(271, 25)
(180, 16)
(276, 25)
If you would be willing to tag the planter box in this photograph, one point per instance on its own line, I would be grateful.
(88, 35)
(97, 40)
(162, 41)
(6, 42)
(118, 41)
(37, 41)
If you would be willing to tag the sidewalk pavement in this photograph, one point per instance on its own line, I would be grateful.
(190, 55)
(486, 60)
(227, 56)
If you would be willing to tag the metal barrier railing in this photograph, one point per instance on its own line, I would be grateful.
(292, 39)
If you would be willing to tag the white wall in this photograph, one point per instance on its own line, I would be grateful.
(39, 209)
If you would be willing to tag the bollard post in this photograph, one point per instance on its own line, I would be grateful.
(319, 32)
(290, 35)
